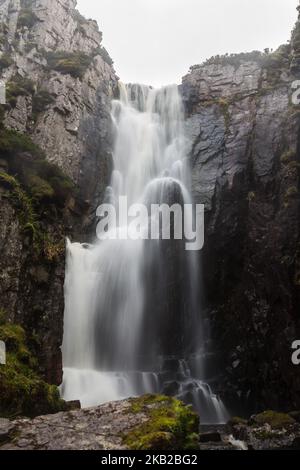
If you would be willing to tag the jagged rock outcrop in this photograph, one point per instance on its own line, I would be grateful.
(59, 85)
(243, 130)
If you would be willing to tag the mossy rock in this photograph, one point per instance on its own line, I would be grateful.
(274, 419)
(237, 421)
(170, 425)
(22, 390)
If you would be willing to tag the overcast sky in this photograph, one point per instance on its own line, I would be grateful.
(156, 41)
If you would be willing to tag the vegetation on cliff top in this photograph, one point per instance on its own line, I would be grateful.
(266, 59)
(22, 390)
(169, 425)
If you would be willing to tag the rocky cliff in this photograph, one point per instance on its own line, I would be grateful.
(243, 130)
(55, 160)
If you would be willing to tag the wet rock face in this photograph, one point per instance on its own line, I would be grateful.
(60, 83)
(244, 148)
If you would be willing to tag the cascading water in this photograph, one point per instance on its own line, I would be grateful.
(132, 322)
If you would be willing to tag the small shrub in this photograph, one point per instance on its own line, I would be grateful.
(5, 61)
(27, 18)
(75, 64)
(40, 102)
(39, 188)
(18, 86)
(12, 142)
(104, 54)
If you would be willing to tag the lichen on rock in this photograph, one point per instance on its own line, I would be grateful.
(169, 425)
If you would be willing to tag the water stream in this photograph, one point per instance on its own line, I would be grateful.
(132, 316)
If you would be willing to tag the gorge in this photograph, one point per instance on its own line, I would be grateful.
(220, 323)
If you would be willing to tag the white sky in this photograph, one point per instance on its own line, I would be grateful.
(156, 41)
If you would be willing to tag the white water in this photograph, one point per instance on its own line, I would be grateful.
(121, 336)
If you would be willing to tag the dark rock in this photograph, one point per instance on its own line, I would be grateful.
(210, 437)
(243, 137)
(171, 388)
(73, 405)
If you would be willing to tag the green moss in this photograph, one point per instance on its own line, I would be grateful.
(5, 61)
(75, 64)
(170, 426)
(22, 391)
(274, 419)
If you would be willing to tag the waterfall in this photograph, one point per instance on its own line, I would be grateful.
(132, 315)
